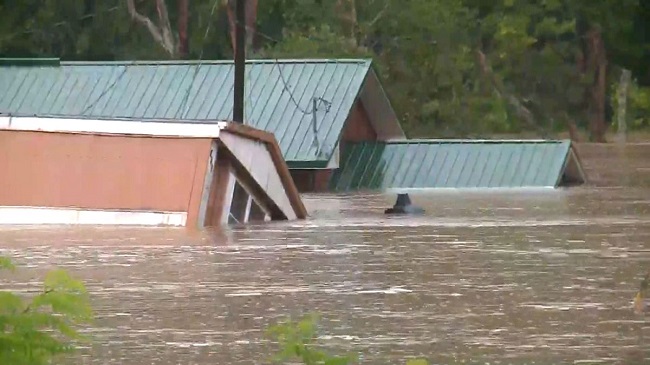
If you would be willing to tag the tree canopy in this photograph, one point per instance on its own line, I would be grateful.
(459, 68)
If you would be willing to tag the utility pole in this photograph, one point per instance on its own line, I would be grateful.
(240, 62)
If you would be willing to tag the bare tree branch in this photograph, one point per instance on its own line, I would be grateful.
(165, 25)
(230, 9)
(379, 15)
(522, 112)
(162, 35)
(183, 42)
(251, 21)
(354, 20)
(348, 15)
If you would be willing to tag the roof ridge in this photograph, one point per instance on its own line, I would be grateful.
(366, 61)
(467, 141)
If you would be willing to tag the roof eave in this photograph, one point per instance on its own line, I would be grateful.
(307, 165)
(385, 110)
(382, 114)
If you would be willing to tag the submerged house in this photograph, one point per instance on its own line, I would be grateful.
(458, 164)
(60, 170)
(315, 108)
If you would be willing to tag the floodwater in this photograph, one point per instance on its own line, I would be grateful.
(502, 278)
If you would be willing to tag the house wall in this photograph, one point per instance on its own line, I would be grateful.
(42, 169)
(357, 129)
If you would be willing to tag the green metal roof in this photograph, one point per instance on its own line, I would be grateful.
(278, 95)
(413, 164)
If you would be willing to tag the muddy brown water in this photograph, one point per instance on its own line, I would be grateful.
(503, 278)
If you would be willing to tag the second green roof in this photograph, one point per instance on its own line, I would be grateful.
(421, 164)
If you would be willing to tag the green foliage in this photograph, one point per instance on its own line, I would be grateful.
(417, 362)
(426, 52)
(639, 104)
(5, 263)
(315, 42)
(32, 332)
(297, 341)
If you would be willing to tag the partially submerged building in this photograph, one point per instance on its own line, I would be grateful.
(60, 170)
(333, 122)
(313, 107)
(458, 164)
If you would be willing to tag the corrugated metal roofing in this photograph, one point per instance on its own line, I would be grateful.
(279, 95)
(452, 164)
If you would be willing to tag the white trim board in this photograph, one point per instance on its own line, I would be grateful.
(77, 216)
(112, 126)
(227, 199)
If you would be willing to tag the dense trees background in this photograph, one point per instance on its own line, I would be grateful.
(451, 67)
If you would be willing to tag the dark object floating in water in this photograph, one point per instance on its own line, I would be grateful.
(403, 206)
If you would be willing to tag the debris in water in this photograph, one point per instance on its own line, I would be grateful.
(403, 206)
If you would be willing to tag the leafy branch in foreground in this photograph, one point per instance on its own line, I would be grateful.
(297, 341)
(32, 332)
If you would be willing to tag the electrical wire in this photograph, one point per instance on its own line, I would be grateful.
(196, 70)
(183, 113)
(284, 81)
(105, 91)
(315, 101)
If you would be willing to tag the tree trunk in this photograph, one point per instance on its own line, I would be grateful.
(621, 110)
(232, 21)
(161, 33)
(597, 68)
(183, 41)
(251, 22)
(574, 134)
(522, 112)
(348, 14)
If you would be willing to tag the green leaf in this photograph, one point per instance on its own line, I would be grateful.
(337, 360)
(35, 332)
(10, 303)
(5, 263)
(417, 362)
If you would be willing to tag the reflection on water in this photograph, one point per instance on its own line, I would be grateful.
(543, 276)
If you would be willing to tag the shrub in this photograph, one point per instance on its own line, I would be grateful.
(297, 341)
(33, 331)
